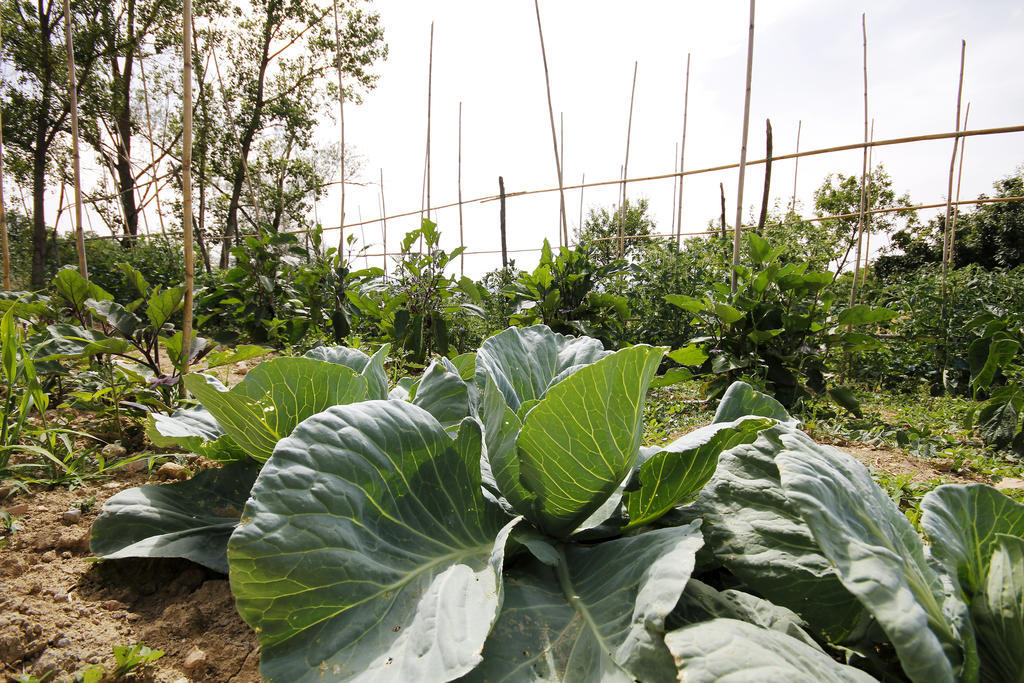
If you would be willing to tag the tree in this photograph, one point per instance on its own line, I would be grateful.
(839, 195)
(276, 60)
(601, 228)
(35, 97)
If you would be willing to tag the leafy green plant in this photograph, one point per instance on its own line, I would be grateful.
(776, 331)
(996, 371)
(565, 293)
(132, 658)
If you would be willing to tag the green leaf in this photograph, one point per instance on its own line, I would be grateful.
(444, 394)
(1000, 352)
(370, 367)
(598, 615)
(525, 361)
(192, 519)
(741, 400)
(863, 314)
(188, 428)
(117, 315)
(731, 650)
(216, 359)
(759, 248)
(876, 552)
(671, 376)
(75, 289)
(845, 398)
(367, 549)
(753, 529)
(11, 339)
(675, 474)
(687, 303)
(582, 439)
(999, 612)
(966, 526)
(997, 421)
(499, 464)
(163, 304)
(470, 289)
(689, 355)
(726, 313)
(466, 363)
(274, 397)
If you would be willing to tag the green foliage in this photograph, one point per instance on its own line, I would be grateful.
(600, 232)
(996, 371)
(570, 294)
(776, 331)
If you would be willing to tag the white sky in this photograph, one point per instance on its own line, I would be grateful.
(807, 66)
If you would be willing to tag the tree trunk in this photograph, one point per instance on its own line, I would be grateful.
(122, 82)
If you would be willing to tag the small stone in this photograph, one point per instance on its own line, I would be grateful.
(66, 555)
(72, 516)
(114, 451)
(75, 541)
(1010, 484)
(112, 485)
(48, 556)
(172, 470)
(140, 465)
(5, 491)
(60, 596)
(943, 464)
(113, 605)
(34, 588)
(17, 510)
(194, 659)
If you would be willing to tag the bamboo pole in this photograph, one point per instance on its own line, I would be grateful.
(384, 224)
(501, 224)
(430, 90)
(682, 155)
(73, 100)
(551, 117)
(625, 166)
(675, 183)
(796, 164)
(863, 168)
(583, 182)
(952, 166)
(721, 191)
(743, 155)
(767, 177)
(341, 117)
(562, 240)
(867, 225)
(462, 242)
(186, 187)
(959, 176)
(4, 246)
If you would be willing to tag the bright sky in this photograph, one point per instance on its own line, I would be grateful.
(807, 67)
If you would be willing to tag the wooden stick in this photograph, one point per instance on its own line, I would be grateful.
(341, 116)
(462, 243)
(4, 246)
(682, 155)
(863, 168)
(743, 154)
(501, 218)
(186, 187)
(867, 225)
(767, 178)
(796, 164)
(384, 224)
(73, 100)
(625, 166)
(952, 166)
(721, 190)
(551, 116)
(959, 175)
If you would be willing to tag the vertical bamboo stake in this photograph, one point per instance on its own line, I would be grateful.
(430, 89)
(796, 164)
(186, 187)
(743, 154)
(952, 167)
(867, 203)
(384, 224)
(73, 99)
(462, 243)
(959, 175)
(863, 168)
(675, 184)
(561, 139)
(767, 178)
(341, 117)
(721, 192)
(625, 168)
(551, 117)
(682, 155)
(583, 181)
(4, 246)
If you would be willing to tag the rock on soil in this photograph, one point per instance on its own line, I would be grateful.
(61, 612)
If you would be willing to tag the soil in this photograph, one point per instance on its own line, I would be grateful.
(61, 612)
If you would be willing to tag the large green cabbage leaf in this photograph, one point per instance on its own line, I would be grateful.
(598, 614)
(368, 551)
